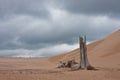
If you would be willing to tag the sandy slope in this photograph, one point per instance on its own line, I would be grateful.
(104, 55)
(105, 51)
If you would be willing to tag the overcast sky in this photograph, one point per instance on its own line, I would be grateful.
(35, 28)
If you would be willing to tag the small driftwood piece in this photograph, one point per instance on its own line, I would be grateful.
(67, 64)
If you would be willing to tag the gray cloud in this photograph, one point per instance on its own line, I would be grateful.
(36, 8)
(42, 27)
(92, 7)
(42, 52)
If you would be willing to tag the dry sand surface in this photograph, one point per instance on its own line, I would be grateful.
(104, 55)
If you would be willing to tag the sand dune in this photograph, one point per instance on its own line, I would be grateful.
(106, 50)
(104, 55)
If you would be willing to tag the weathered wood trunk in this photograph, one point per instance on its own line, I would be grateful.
(84, 64)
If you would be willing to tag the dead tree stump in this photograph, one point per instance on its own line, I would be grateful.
(84, 64)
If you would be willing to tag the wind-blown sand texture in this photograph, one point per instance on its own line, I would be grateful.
(104, 55)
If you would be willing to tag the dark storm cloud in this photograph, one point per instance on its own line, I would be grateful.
(46, 27)
(92, 7)
(27, 32)
(23, 7)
